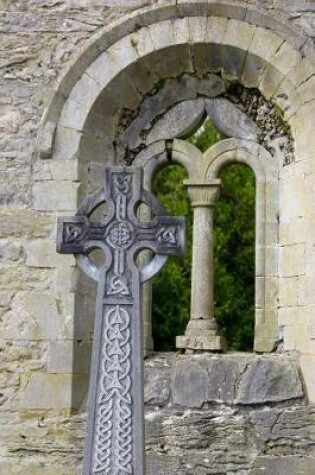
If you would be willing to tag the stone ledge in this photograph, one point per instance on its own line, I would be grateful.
(235, 379)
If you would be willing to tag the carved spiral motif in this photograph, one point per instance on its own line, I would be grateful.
(113, 438)
(72, 232)
(120, 234)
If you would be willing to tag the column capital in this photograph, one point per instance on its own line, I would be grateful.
(203, 192)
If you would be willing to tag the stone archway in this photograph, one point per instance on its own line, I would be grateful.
(111, 88)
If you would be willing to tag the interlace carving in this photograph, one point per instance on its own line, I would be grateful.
(73, 233)
(117, 286)
(113, 443)
(167, 236)
(120, 234)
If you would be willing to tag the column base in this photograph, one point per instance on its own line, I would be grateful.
(201, 343)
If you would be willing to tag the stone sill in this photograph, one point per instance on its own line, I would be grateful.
(234, 379)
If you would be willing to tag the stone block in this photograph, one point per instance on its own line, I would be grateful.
(271, 292)
(265, 43)
(74, 114)
(124, 51)
(10, 252)
(230, 120)
(216, 377)
(180, 121)
(307, 363)
(55, 195)
(197, 29)
(294, 232)
(233, 60)
(269, 380)
(212, 9)
(67, 356)
(302, 72)
(42, 253)
(301, 126)
(271, 261)
(292, 260)
(285, 59)
(284, 465)
(288, 291)
(224, 377)
(287, 316)
(270, 82)
(181, 31)
(58, 170)
(161, 34)
(67, 280)
(103, 69)
(162, 464)
(18, 468)
(6, 299)
(156, 386)
(189, 383)
(310, 259)
(306, 294)
(25, 223)
(207, 58)
(141, 40)
(252, 70)
(216, 28)
(48, 391)
(34, 316)
(201, 342)
(239, 34)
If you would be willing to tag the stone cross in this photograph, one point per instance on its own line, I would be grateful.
(115, 434)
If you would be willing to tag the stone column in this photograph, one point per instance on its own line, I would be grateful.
(202, 330)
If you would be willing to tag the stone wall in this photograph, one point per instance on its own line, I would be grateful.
(192, 428)
(233, 414)
(205, 414)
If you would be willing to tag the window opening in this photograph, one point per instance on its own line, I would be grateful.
(234, 257)
(171, 287)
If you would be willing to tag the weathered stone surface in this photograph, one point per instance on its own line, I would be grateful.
(42, 253)
(54, 195)
(269, 380)
(162, 465)
(288, 465)
(25, 223)
(27, 321)
(69, 357)
(157, 384)
(174, 91)
(48, 391)
(179, 122)
(189, 383)
(230, 120)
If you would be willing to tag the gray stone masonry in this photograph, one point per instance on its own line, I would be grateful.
(205, 414)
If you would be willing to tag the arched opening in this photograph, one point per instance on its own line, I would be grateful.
(74, 114)
(234, 257)
(171, 287)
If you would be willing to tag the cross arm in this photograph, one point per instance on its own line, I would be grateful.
(170, 235)
(74, 233)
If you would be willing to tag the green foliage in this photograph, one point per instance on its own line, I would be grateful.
(171, 289)
(234, 255)
(234, 231)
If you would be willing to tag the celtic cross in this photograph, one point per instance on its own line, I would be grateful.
(115, 435)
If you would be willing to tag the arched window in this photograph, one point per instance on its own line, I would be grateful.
(234, 257)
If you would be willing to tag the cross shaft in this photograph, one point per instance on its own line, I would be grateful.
(115, 434)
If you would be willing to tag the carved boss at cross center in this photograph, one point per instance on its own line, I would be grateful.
(115, 436)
